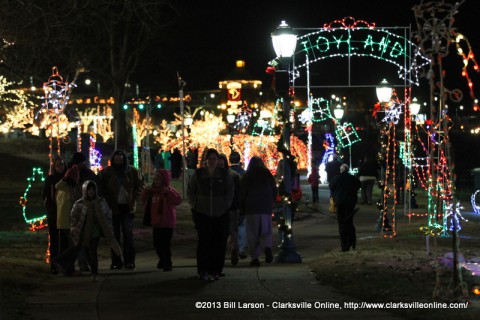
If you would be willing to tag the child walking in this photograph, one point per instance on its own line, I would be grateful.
(160, 200)
(90, 219)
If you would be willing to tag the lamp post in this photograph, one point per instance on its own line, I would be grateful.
(284, 42)
(181, 86)
(231, 119)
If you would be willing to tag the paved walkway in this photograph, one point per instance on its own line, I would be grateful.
(245, 293)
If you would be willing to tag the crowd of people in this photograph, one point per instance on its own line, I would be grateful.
(231, 209)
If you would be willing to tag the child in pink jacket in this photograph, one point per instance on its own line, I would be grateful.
(160, 200)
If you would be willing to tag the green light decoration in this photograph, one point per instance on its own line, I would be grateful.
(38, 222)
(346, 135)
(134, 135)
(354, 40)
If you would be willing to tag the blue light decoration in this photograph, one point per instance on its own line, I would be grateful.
(475, 206)
(457, 215)
(329, 145)
(346, 135)
(95, 156)
(242, 120)
(134, 135)
(39, 221)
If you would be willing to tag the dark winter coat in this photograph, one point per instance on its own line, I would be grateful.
(345, 188)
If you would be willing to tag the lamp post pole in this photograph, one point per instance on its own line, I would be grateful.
(181, 85)
(284, 42)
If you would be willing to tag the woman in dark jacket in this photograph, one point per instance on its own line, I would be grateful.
(257, 195)
(49, 194)
(210, 194)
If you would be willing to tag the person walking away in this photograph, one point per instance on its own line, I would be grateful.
(332, 168)
(236, 165)
(313, 180)
(258, 192)
(367, 174)
(49, 193)
(345, 188)
(122, 184)
(177, 161)
(233, 211)
(160, 200)
(68, 191)
(210, 194)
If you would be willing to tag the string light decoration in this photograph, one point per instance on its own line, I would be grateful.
(39, 221)
(473, 200)
(329, 146)
(95, 156)
(346, 135)
(134, 138)
(454, 213)
(393, 112)
(350, 37)
(57, 93)
(242, 119)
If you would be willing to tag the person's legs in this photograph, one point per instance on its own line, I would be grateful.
(252, 227)
(204, 232)
(165, 247)
(242, 237)
(363, 192)
(266, 236)
(127, 230)
(54, 240)
(91, 255)
(369, 191)
(219, 245)
(116, 223)
(156, 245)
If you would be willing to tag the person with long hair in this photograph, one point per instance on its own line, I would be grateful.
(258, 191)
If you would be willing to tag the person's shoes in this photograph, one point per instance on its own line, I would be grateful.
(74, 273)
(268, 255)
(242, 255)
(94, 277)
(130, 266)
(114, 266)
(167, 268)
(84, 269)
(204, 276)
(160, 265)
(214, 277)
(53, 269)
(255, 263)
(234, 258)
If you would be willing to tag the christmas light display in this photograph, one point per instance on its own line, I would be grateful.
(361, 39)
(95, 157)
(346, 135)
(454, 213)
(473, 200)
(392, 112)
(57, 93)
(242, 119)
(39, 221)
(134, 138)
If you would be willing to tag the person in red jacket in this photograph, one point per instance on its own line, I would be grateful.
(313, 180)
(160, 200)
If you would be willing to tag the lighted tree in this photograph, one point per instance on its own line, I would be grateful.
(104, 124)
(15, 105)
(56, 125)
(164, 135)
(206, 132)
(86, 118)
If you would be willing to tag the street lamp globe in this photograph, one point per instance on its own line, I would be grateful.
(384, 91)
(231, 118)
(284, 41)
(414, 107)
(338, 113)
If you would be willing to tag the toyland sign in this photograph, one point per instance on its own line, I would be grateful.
(349, 41)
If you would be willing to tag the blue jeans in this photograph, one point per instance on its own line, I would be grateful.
(123, 224)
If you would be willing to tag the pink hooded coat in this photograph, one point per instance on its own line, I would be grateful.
(162, 202)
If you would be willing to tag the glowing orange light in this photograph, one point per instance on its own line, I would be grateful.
(476, 290)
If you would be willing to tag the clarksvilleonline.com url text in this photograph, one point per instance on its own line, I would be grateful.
(328, 305)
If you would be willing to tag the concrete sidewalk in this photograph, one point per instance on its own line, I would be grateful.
(245, 292)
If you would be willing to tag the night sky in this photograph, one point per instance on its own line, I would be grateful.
(211, 35)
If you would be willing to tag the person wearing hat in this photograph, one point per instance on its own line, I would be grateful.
(160, 200)
(68, 191)
(210, 194)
